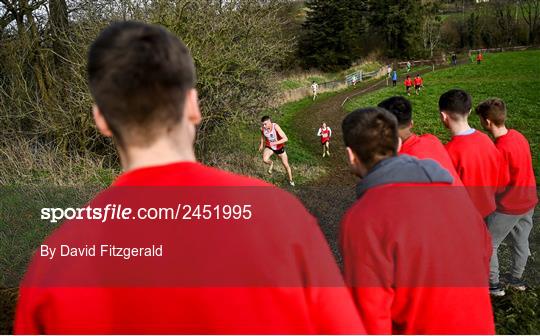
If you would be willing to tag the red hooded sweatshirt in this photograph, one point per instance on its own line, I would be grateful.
(416, 252)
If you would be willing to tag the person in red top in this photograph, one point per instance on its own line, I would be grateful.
(426, 146)
(408, 84)
(475, 157)
(415, 250)
(418, 83)
(265, 276)
(325, 133)
(479, 58)
(516, 202)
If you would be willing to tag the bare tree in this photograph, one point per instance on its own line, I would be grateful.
(530, 11)
(431, 27)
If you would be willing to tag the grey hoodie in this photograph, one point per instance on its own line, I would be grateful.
(403, 169)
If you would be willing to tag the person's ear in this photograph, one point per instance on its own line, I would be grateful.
(412, 124)
(400, 144)
(444, 116)
(192, 113)
(351, 156)
(101, 123)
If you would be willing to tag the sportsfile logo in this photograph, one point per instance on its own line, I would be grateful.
(180, 212)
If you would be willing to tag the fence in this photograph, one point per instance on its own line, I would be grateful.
(296, 94)
(488, 50)
(360, 76)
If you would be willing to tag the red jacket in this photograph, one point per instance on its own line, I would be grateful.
(408, 82)
(428, 146)
(520, 195)
(292, 284)
(480, 166)
(417, 257)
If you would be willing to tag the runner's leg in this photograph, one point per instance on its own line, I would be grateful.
(267, 153)
(285, 160)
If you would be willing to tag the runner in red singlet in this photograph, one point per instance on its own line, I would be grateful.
(408, 84)
(418, 83)
(273, 141)
(325, 133)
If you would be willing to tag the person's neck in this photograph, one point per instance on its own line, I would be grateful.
(458, 127)
(405, 134)
(498, 132)
(161, 152)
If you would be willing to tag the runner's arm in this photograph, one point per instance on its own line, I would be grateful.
(330, 132)
(319, 132)
(284, 138)
(261, 145)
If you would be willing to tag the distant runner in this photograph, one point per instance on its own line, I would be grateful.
(479, 58)
(408, 84)
(394, 78)
(325, 133)
(409, 65)
(418, 83)
(388, 74)
(273, 141)
(314, 89)
(454, 59)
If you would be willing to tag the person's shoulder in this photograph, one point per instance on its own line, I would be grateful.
(454, 146)
(359, 211)
(512, 139)
(431, 139)
(515, 134)
(219, 177)
(483, 139)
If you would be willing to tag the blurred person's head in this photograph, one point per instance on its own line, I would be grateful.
(401, 108)
(371, 135)
(143, 79)
(492, 113)
(455, 107)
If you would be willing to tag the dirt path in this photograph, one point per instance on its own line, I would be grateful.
(329, 197)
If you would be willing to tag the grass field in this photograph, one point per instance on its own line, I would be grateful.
(513, 77)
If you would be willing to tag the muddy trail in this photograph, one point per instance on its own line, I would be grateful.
(329, 197)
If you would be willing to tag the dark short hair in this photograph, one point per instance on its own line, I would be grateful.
(371, 133)
(139, 75)
(455, 102)
(265, 118)
(493, 109)
(400, 107)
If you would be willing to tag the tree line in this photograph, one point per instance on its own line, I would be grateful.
(240, 47)
(237, 45)
(337, 33)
